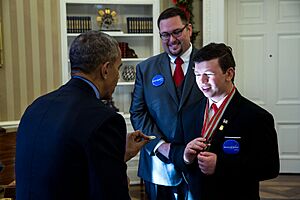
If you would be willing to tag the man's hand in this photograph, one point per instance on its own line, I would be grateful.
(207, 162)
(134, 142)
(193, 148)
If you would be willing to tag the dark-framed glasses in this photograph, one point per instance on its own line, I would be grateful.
(176, 33)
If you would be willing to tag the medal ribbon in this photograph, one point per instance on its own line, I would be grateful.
(209, 126)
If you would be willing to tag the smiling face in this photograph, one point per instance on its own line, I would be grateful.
(175, 45)
(212, 81)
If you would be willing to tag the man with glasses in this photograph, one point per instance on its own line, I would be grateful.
(165, 84)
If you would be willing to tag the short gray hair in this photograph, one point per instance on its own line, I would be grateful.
(92, 48)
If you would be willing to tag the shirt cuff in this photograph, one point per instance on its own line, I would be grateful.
(186, 161)
(157, 145)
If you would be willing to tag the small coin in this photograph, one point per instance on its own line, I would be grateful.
(152, 137)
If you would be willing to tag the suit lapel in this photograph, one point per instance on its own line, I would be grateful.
(165, 70)
(225, 121)
(230, 112)
(232, 108)
(189, 81)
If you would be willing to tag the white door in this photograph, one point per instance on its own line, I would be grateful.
(265, 37)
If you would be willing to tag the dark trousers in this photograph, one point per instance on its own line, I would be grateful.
(161, 192)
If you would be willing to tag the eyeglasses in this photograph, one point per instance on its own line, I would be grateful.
(176, 33)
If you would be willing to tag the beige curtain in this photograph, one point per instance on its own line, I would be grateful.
(32, 53)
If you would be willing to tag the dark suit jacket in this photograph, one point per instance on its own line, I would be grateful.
(237, 176)
(70, 146)
(154, 109)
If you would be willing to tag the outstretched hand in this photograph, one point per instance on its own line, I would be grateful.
(134, 142)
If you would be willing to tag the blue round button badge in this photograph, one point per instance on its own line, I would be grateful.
(158, 80)
(231, 147)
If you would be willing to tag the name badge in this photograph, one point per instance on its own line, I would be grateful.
(231, 147)
(158, 80)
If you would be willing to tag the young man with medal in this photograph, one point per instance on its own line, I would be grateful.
(230, 142)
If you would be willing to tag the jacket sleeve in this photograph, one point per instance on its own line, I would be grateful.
(267, 164)
(105, 153)
(178, 147)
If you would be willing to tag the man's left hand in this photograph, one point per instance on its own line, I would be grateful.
(134, 142)
(207, 162)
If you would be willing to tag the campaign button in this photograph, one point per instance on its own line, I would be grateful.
(158, 80)
(231, 147)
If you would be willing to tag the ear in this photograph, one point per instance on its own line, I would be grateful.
(190, 27)
(104, 70)
(230, 74)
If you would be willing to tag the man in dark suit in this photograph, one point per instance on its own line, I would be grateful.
(230, 142)
(69, 144)
(161, 90)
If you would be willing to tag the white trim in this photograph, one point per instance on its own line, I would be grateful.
(10, 126)
(64, 42)
(213, 21)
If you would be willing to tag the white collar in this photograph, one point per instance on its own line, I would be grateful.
(219, 103)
